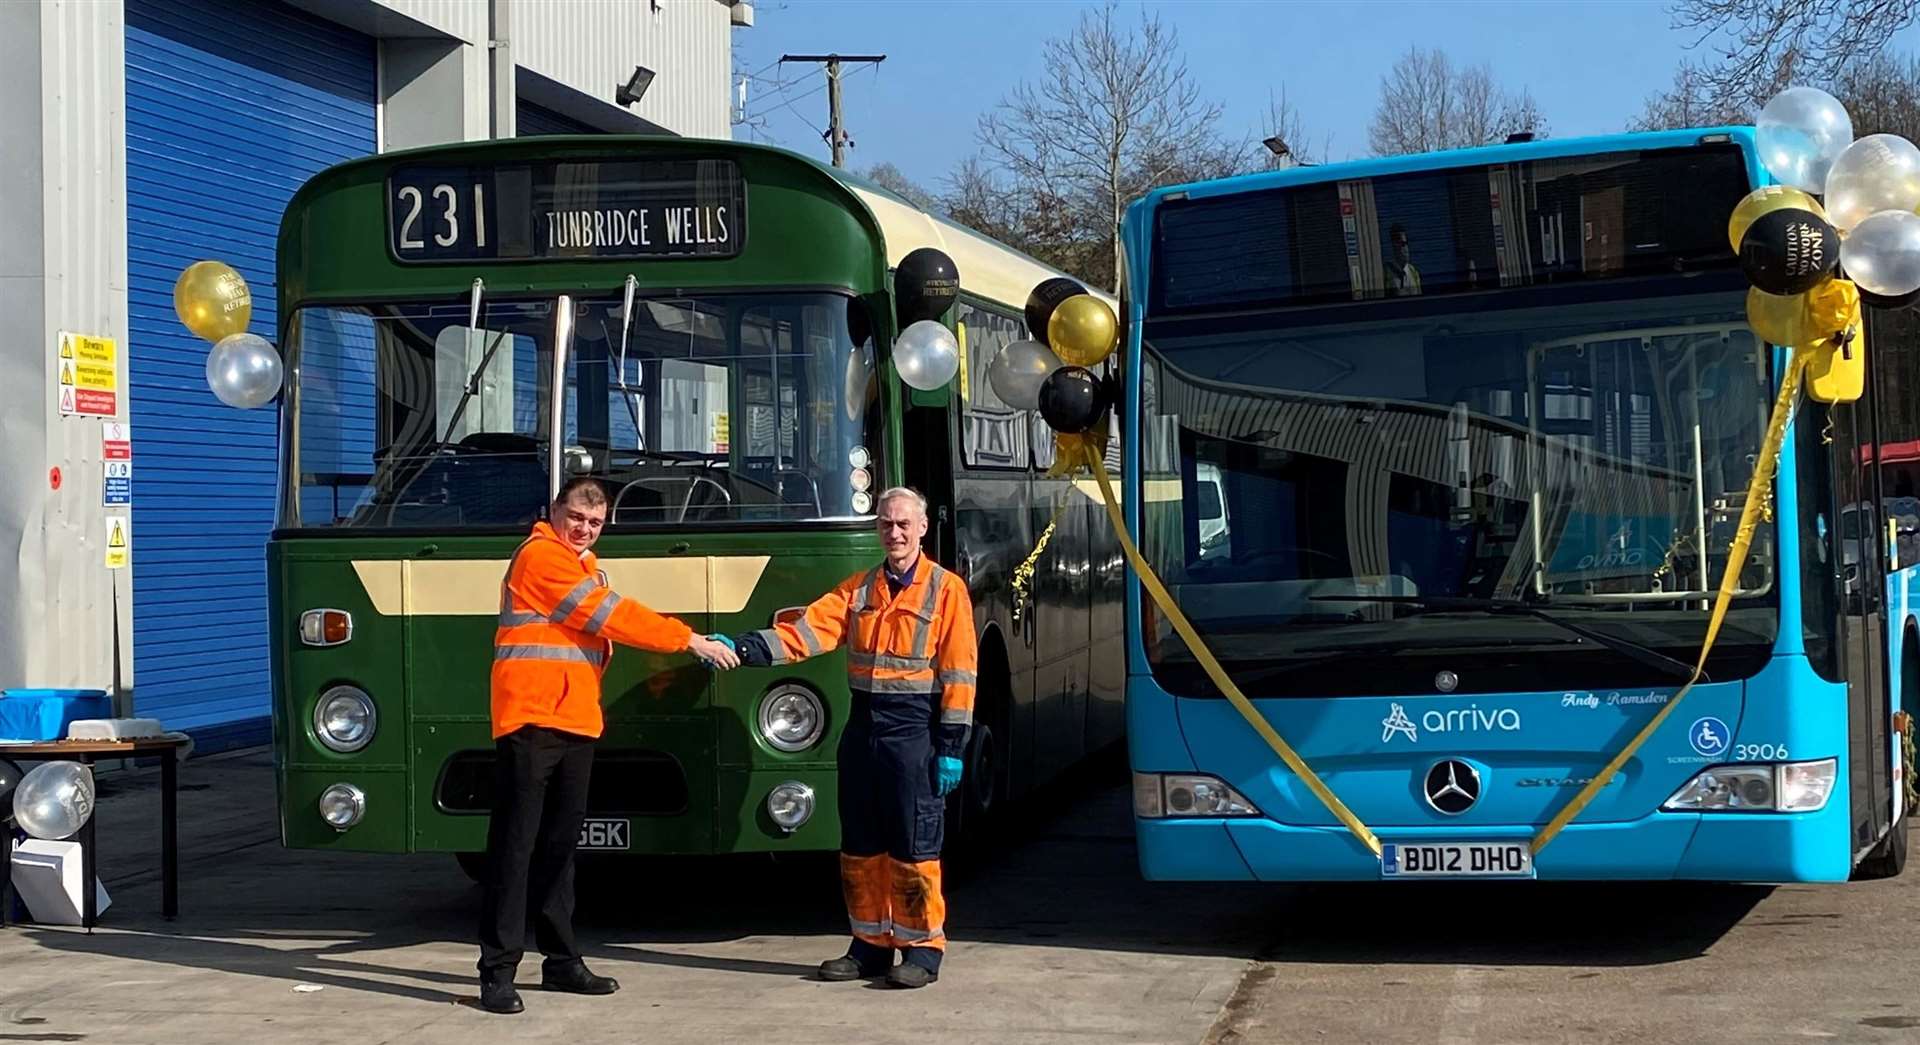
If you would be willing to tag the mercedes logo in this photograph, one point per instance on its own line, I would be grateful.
(1446, 682)
(1452, 787)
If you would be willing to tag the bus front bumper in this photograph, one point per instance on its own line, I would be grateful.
(1802, 847)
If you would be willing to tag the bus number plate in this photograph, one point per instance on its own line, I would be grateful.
(605, 834)
(1456, 860)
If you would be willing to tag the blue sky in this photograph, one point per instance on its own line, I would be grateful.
(1589, 65)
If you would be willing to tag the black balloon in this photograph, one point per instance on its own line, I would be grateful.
(1072, 399)
(10, 775)
(1044, 299)
(925, 285)
(1789, 251)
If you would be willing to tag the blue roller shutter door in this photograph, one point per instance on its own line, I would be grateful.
(230, 107)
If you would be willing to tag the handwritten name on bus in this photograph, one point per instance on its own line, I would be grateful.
(638, 227)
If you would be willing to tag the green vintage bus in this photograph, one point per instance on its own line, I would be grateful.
(704, 327)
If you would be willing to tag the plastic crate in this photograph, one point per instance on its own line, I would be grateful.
(45, 714)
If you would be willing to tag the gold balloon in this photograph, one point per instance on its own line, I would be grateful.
(1083, 330)
(1779, 319)
(1765, 200)
(213, 300)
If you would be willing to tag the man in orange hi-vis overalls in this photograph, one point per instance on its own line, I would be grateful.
(558, 624)
(911, 655)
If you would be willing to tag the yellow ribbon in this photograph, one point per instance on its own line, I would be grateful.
(1164, 599)
(1758, 490)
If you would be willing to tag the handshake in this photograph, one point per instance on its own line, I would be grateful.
(717, 651)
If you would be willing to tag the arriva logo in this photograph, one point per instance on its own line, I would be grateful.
(1471, 719)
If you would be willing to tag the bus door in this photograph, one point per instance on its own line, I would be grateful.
(1857, 541)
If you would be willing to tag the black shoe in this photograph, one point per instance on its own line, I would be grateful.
(573, 978)
(840, 970)
(500, 997)
(909, 975)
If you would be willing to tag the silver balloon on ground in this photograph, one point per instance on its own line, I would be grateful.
(54, 800)
(1878, 172)
(244, 371)
(1800, 133)
(1883, 254)
(1018, 371)
(926, 355)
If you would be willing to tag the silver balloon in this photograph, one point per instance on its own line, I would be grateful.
(54, 800)
(926, 355)
(1883, 254)
(1017, 372)
(244, 371)
(1878, 172)
(1801, 132)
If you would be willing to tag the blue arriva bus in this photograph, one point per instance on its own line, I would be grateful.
(1443, 455)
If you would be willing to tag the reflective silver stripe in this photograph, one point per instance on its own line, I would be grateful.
(566, 653)
(573, 599)
(910, 686)
(602, 612)
(959, 678)
(870, 928)
(901, 932)
(775, 648)
(956, 716)
(863, 597)
(885, 660)
(514, 620)
(808, 638)
(922, 632)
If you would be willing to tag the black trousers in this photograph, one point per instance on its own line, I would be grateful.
(539, 798)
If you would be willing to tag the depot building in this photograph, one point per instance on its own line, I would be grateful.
(144, 135)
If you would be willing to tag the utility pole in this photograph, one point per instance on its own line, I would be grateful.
(836, 128)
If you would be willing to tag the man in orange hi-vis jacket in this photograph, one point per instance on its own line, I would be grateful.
(558, 624)
(911, 655)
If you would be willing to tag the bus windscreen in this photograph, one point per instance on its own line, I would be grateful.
(1450, 231)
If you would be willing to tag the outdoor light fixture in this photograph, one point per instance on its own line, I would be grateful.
(1278, 146)
(636, 85)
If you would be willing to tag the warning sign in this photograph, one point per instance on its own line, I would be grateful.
(119, 543)
(119, 483)
(116, 442)
(89, 375)
(722, 431)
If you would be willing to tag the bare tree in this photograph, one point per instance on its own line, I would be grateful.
(1115, 115)
(1763, 44)
(1426, 104)
(1690, 102)
(1882, 95)
(1285, 122)
(892, 179)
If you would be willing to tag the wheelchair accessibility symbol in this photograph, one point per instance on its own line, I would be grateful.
(1710, 737)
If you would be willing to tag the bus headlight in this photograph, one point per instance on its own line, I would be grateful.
(342, 806)
(344, 719)
(1158, 795)
(1778, 787)
(790, 805)
(792, 718)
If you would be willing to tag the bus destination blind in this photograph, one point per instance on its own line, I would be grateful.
(566, 210)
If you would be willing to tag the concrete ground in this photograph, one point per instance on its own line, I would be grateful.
(1056, 940)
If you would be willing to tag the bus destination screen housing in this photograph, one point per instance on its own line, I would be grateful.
(566, 210)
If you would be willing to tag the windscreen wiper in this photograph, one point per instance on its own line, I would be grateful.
(1512, 608)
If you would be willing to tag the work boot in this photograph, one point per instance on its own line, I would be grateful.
(497, 995)
(573, 978)
(909, 975)
(840, 970)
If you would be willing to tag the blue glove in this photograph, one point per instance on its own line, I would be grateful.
(948, 775)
